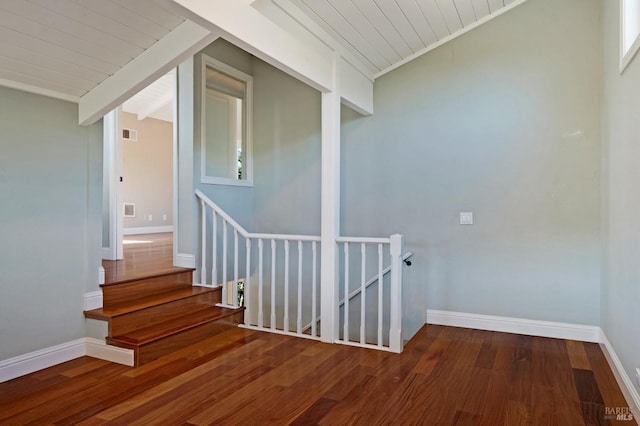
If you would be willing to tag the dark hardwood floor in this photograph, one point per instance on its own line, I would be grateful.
(143, 255)
(446, 376)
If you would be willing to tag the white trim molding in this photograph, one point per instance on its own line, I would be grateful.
(99, 349)
(38, 90)
(93, 300)
(184, 260)
(40, 359)
(558, 330)
(147, 230)
(629, 32)
(450, 37)
(54, 355)
(624, 381)
(101, 275)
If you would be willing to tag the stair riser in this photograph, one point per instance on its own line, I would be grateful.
(160, 313)
(122, 292)
(151, 351)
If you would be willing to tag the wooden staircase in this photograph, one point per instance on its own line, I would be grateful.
(159, 313)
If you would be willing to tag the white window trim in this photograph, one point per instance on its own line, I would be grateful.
(221, 66)
(626, 57)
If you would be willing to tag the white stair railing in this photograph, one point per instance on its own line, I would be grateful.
(373, 280)
(280, 294)
(375, 321)
(281, 291)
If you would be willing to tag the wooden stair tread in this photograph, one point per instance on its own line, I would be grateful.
(146, 275)
(106, 313)
(161, 330)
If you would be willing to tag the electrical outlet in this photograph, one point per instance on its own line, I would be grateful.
(150, 217)
(466, 218)
(164, 217)
(638, 375)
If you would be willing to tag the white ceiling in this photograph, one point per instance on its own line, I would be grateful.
(154, 101)
(384, 34)
(68, 47)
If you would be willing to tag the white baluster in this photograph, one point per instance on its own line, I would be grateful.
(286, 286)
(273, 284)
(214, 250)
(380, 305)
(225, 297)
(314, 321)
(247, 285)
(203, 254)
(346, 293)
(299, 328)
(363, 291)
(260, 284)
(234, 291)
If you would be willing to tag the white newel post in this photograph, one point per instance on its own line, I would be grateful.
(330, 214)
(395, 323)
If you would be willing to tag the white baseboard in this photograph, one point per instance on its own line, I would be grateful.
(624, 381)
(558, 330)
(48, 357)
(147, 230)
(101, 275)
(99, 349)
(184, 260)
(93, 300)
(106, 253)
(43, 358)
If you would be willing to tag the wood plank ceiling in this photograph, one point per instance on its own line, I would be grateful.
(384, 34)
(65, 48)
(68, 47)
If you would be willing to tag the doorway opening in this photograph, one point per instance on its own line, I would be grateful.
(139, 195)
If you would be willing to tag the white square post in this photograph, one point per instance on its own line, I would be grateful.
(395, 321)
(330, 214)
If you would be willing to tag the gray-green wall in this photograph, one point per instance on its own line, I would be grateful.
(503, 122)
(286, 153)
(285, 197)
(621, 198)
(235, 200)
(50, 187)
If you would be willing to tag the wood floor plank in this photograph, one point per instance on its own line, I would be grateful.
(315, 413)
(607, 383)
(447, 376)
(577, 355)
(517, 414)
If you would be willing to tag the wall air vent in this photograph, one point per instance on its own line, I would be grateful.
(129, 210)
(129, 135)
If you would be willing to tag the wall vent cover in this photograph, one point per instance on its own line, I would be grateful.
(130, 135)
(129, 210)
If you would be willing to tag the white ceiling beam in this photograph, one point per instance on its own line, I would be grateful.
(245, 26)
(302, 19)
(171, 50)
(356, 90)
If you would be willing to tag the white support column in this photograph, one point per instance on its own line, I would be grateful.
(330, 214)
(395, 321)
(184, 203)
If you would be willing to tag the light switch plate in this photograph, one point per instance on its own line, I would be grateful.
(466, 218)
